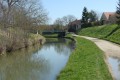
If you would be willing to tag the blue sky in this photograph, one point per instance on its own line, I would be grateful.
(60, 8)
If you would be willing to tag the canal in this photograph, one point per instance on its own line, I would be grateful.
(115, 65)
(37, 63)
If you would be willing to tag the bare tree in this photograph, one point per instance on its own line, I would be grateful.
(67, 19)
(61, 23)
(58, 24)
(6, 10)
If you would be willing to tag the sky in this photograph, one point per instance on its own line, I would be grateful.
(59, 8)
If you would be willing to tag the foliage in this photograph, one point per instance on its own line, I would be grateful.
(85, 63)
(18, 19)
(89, 18)
(67, 19)
(17, 39)
(118, 13)
(72, 28)
(62, 23)
(85, 16)
(86, 25)
(93, 16)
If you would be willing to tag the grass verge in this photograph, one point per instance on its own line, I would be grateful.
(85, 63)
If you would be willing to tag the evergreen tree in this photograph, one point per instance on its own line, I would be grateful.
(85, 16)
(118, 13)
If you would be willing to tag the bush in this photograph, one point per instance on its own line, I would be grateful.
(86, 25)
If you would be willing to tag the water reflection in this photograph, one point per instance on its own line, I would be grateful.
(36, 63)
(115, 64)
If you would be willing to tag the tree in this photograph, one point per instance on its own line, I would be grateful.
(118, 13)
(67, 19)
(58, 24)
(85, 16)
(24, 14)
(6, 10)
(62, 23)
(93, 16)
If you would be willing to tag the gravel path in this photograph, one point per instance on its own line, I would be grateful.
(109, 48)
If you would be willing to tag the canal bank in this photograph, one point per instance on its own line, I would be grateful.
(85, 63)
(32, 40)
(37, 62)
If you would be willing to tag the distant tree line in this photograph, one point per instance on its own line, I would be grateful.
(62, 23)
(89, 19)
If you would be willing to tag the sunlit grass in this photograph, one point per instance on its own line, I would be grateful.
(108, 32)
(98, 31)
(115, 37)
(85, 63)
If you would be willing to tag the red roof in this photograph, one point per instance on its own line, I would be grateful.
(108, 14)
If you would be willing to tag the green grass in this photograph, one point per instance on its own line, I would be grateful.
(115, 37)
(50, 35)
(108, 32)
(85, 63)
(98, 31)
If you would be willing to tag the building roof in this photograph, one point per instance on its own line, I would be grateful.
(108, 14)
(76, 22)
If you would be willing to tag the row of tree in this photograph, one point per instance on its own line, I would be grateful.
(88, 19)
(62, 23)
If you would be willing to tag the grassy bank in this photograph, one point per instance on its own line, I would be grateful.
(13, 39)
(115, 37)
(98, 31)
(85, 63)
(108, 32)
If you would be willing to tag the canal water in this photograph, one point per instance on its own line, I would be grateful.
(115, 65)
(37, 63)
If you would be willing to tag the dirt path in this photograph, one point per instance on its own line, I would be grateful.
(109, 48)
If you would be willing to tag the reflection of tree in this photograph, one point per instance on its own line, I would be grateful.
(62, 46)
(26, 70)
(25, 65)
(72, 45)
(61, 49)
(20, 66)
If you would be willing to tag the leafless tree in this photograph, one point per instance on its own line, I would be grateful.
(67, 19)
(18, 18)
(61, 23)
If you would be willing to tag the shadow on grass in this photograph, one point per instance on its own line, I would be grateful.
(114, 30)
